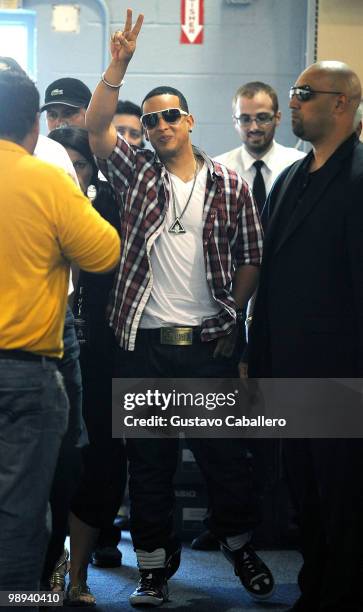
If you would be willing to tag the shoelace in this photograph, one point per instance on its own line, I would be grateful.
(252, 563)
(147, 581)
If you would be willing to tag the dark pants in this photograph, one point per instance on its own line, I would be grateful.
(33, 420)
(69, 463)
(103, 480)
(326, 483)
(224, 463)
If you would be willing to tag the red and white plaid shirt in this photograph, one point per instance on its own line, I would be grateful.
(232, 235)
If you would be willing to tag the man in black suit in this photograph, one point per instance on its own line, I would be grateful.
(308, 322)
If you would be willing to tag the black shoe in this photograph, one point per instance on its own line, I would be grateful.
(152, 589)
(205, 541)
(252, 571)
(107, 556)
(172, 563)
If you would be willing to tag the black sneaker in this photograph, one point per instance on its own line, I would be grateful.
(152, 589)
(172, 563)
(106, 556)
(252, 571)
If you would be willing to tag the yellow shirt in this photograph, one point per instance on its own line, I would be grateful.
(45, 222)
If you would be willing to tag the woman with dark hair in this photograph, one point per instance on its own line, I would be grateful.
(75, 141)
(103, 480)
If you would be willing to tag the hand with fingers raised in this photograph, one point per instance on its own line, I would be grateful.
(123, 43)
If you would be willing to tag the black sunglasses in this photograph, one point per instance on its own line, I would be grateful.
(305, 93)
(170, 115)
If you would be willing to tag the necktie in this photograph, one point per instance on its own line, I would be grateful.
(259, 189)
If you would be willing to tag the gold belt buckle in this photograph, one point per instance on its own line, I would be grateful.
(176, 336)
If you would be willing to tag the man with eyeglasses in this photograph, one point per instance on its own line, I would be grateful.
(260, 159)
(308, 323)
(190, 261)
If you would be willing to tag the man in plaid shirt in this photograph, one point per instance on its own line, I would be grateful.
(191, 249)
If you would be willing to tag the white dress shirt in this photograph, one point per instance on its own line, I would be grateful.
(275, 161)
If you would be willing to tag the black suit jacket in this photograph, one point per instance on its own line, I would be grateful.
(312, 326)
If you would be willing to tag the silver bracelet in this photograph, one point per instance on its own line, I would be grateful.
(110, 84)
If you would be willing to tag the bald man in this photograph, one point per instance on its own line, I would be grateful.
(308, 323)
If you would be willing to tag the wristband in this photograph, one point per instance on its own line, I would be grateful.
(110, 84)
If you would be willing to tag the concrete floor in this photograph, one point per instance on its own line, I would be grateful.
(204, 582)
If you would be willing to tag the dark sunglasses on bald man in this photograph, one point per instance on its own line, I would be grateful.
(305, 93)
(170, 115)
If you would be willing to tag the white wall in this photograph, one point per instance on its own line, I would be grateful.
(264, 40)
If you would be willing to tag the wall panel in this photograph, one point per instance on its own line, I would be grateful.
(264, 40)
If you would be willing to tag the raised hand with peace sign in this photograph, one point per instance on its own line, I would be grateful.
(123, 43)
(102, 134)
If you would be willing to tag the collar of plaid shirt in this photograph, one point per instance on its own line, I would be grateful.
(231, 235)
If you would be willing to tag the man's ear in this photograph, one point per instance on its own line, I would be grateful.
(341, 102)
(191, 122)
(31, 138)
(278, 118)
(36, 128)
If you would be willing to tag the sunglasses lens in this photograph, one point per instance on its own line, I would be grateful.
(303, 95)
(172, 115)
(150, 121)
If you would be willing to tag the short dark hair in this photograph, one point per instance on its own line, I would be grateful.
(19, 105)
(11, 64)
(77, 139)
(165, 89)
(125, 107)
(249, 90)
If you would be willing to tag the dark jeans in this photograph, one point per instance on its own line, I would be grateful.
(68, 469)
(103, 480)
(224, 463)
(325, 479)
(33, 420)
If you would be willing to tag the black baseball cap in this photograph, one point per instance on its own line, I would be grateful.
(67, 91)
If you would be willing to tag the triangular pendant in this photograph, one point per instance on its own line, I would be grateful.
(177, 227)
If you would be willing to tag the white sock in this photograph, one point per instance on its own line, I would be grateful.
(151, 560)
(236, 542)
